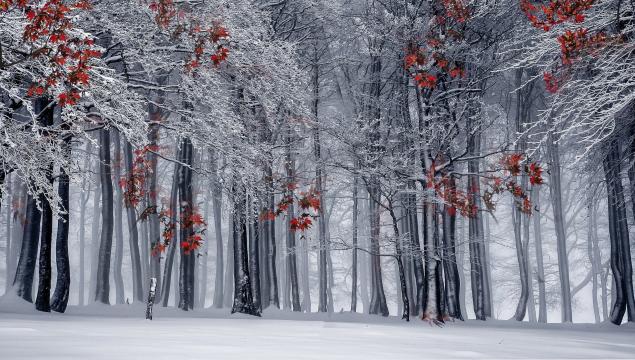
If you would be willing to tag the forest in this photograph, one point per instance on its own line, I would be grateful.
(465, 164)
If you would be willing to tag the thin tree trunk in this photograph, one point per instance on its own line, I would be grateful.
(559, 223)
(521, 255)
(291, 256)
(154, 227)
(202, 293)
(118, 209)
(378, 303)
(621, 264)
(271, 236)
(95, 231)
(42, 301)
(23, 282)
(62, 285)
(133, 235)
(254, 256)
(540, 269)
(355, 245)
(188, 258)
(229, 265)
(169, 260)
(451, 270)
(102, 292)
(400, 268)
(594, 264)
(216, 203)
(83, 201)
(8, 259)
(18, 220)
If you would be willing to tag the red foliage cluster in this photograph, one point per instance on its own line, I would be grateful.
(456, 200)
(308, 202)
(578, 42)
(213, 37)
(133, 183)
(573, 43)
(48, 33)
(203, 38)
(164, 10)
(457, 10)
(189, 219)
(551, 82)
(428, 63)
(556, 12)
(513, 167)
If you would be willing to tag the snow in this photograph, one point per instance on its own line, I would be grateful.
(121, 332)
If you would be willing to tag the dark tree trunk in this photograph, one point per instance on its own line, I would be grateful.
(254, 257)
(188, 258)
(621, 263)
(133, 234)
(62, 285)
(217, 196)
(451, 271)
(42, 301)
(243, 298)
(481, 296)
(102, 293)
(291, 256)
(405, 315)
(354, 264)
(118, 208)
(153, 224)
(169, 260)
(271, 237)
(25, 272)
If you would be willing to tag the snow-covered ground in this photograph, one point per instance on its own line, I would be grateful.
(120, 332)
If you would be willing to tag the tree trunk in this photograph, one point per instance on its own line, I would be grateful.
(591, 233)
(254, 256)
(169, 260)
(229, 265)
(559, 223)
(451, 270)
(23, 282)
(202, 292)
(102, 292)
(521, 255)
(378, 303)
(621, 264)
(18, 220)
(271, 241)
(83, 202)
(291, 256)
(217, 195)
(154, 227)
(8, 258)
(400, 268)
(42, 301)
(94, 233)
(133, 235)
(62, 285)
(188, 258)
(540, 269)
(243, 298)
(355, 245)
(118, 208)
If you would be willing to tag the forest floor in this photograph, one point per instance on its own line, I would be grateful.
(121, 333)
